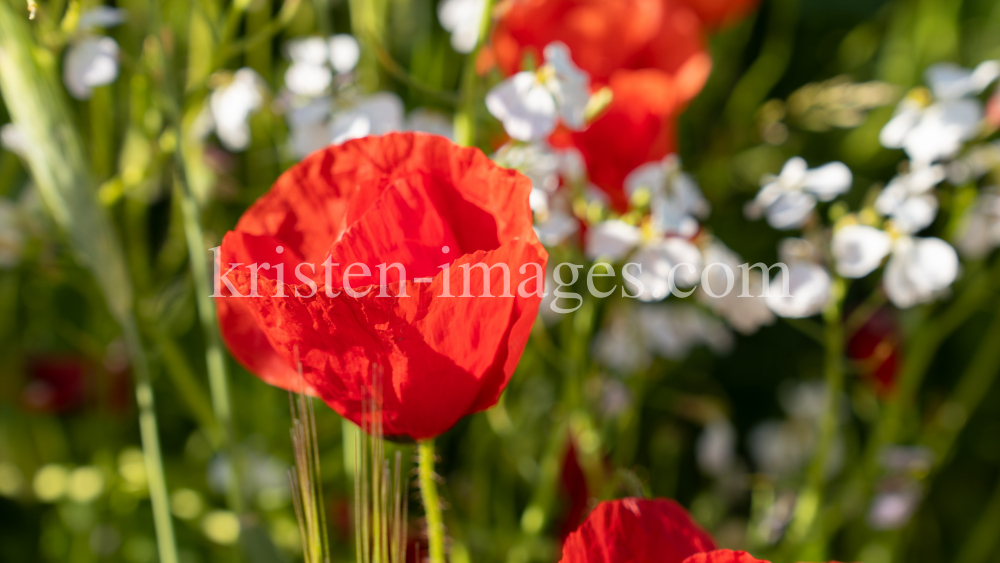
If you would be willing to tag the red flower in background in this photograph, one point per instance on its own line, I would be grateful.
(56, 384)
(875, 347)
(415, 199)
(635, 530)
(719, 13)
(573, 486)
(650, 53)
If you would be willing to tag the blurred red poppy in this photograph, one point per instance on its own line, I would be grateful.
(56, 384)
(635, 530)
(651, 54)
(573, 487)
(719, 13)
(875, 348)
(436, 209)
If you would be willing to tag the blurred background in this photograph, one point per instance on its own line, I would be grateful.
(727, 431)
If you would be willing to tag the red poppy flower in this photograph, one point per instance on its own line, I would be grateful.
(449, 217)
(650, 53)
(724, 556)
(719, 13)
(635, 530)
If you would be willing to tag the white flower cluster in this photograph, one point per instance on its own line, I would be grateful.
(320, 101)
(932, 127)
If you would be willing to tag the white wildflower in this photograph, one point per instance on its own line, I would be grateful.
(231, 106)
(90, 62)
(344, 52)
(531, 103)
(803, 288)
(676, 203)
(462, 18)
(909, 200)
(788, 199)
(918, 270)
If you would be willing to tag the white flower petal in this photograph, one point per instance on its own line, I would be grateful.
(893, 134)
(984, 75)
(650, 176)
(949, 81)
(349, 125)
(656, 261)
(462, 18)
(344, 52)
(859, 249)
(307, 79)
(556, 228)
(231, 106)
(312, 51)
(89, 63)
(570, 86)
(828, 181)
(918, 269)
(791, 210)
(942, 129)
(916, 213)
(612, 240)
(793, 173)
(808, 291)
(524, 106)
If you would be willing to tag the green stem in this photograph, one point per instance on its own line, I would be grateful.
(807, 508)
(465, 117)
(215, 359)
(920, 351)
(431, 500)
(156, 479)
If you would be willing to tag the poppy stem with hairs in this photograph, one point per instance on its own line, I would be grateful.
(431, 500)
(465, 117)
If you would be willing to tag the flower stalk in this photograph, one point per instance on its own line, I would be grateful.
(431, 500)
